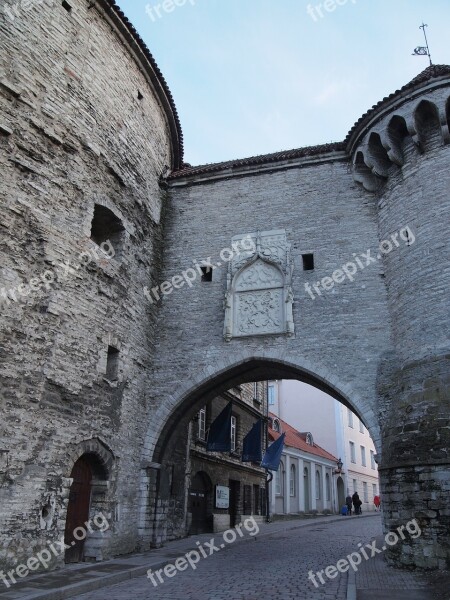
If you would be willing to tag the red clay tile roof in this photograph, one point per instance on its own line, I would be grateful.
(296, 439)
(258, 160)
(432, 72)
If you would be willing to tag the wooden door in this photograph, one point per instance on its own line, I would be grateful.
(78, 509)
(198, 508)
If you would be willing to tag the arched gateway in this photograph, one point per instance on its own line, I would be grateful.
(327, 264)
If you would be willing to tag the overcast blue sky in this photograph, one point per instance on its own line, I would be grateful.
(256, 76)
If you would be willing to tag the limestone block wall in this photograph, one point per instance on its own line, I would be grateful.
(324, 212)
(81, 126)
(408, 153)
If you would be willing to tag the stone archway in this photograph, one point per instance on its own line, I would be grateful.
(163, 444)
(90, 501)
(250, 366)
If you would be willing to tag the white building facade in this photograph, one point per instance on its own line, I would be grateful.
(306, 480)
(335, 428)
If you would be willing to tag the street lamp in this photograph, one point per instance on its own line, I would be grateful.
(340, 464)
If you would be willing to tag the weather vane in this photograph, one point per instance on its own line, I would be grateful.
(423, 50)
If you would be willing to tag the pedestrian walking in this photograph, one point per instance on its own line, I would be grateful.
(356, 503)
(377, 502)
(348, 502)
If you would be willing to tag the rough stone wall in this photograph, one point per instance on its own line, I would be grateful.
(73, 134)
(415, 386)
(323, 211)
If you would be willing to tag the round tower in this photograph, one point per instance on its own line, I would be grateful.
(88, 127)
(401, 155)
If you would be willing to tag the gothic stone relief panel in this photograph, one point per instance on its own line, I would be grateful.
(259, 295)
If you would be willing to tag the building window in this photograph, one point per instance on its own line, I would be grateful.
(308, 262)
(292, 481)
(361, 426)
(276, 425)
(318, 494)
(201, 432)
(279, 480)
(350, 417)
(352, 452)
(365, 491)
(112, 364)
(372, 460)
(355, 486)
(233, 433)
(66, 6)
(363, 456)
(255, 391)
(374, 489)
(271, 394)
(328, 485)
(106, 227)
(207, 272)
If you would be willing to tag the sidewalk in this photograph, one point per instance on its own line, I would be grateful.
(376, 580)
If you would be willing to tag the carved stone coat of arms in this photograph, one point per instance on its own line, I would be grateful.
(259, 297)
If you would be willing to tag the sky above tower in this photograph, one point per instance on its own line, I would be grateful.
(257, 76)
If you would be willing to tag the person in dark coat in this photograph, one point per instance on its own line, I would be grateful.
(356, 503)
(348, 502)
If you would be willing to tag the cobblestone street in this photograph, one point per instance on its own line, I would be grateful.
(273, 566)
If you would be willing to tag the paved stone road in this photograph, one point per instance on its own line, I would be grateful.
(274, 567)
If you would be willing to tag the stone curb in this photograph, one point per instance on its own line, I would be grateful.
(351, 585)
(96, 582)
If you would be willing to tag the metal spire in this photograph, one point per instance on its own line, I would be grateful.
(423, 50)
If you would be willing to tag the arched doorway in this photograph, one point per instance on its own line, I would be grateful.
(78, 509)
(199, 495)
(340, 493)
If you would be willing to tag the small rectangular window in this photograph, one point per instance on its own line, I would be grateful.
(355, 486)
(308, 262)
(366, 492)
(66, 6)
(112, 364)
(233, 433)
(350, 418)
(140, 96)
(363, 456)
(271, 394)
(207, 273)
(107, 230)
(361, 426)
(372, 460)
(201, 433)
(352, 452)
(374, 489)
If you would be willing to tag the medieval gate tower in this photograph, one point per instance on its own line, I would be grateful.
(98, 208)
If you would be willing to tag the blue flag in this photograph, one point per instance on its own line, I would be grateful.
(251, 451)
(219, 436)
(272, 457)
